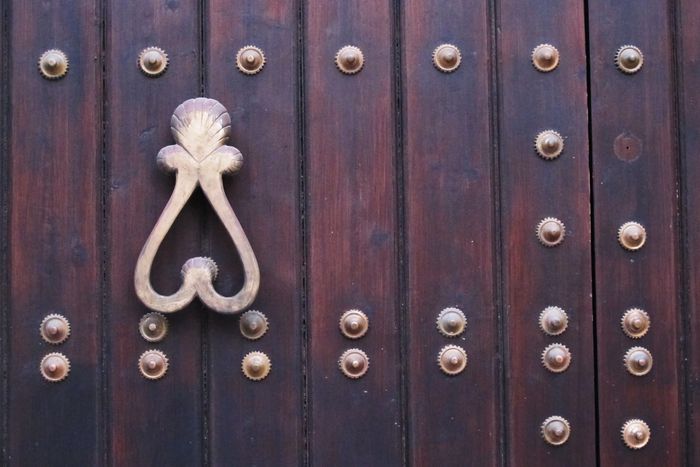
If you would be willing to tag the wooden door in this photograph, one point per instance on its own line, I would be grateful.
(503, 192)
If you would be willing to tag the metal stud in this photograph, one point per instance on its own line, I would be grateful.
(256, 366)
(556, 358)
(250, 60)
(555, 430)
(153, 327)
(53, 64)
(451, 322)
(635, 323)
(632, 236)
(354, 324)
(349, 60)
(447, 58)
(545, 57)
(629, 59)
(54, 367)
(153, 364)
(553, 320)
(253, 324)
(638, 361)
(354, 363)
(153, 61)
(54, 329)
(549, 144)
(551, 231)
(452, 359)
(635, 433)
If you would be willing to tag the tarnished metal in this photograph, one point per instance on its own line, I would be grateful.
(250, 60)
(354, 324)
(54, 367)
(349, 59)
(555, 430)
(153, 364)
(447, 58)
(256, 366)
(354, 363)
(545, 57)
(54, 329)
(153, 61)
(53, 64)
(550, 231)
(452, 359)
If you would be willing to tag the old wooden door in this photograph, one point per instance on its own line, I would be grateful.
(503, 194)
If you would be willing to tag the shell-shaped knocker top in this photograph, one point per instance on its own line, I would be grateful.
(201, 128)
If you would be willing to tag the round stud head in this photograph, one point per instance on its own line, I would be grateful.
(54, 367)
(635, 323)
(250, 60)
(349, 59)
(632, 236)
(354, 324)
(153, 61)
(553, 320)
(256, 366)
(556, 430)
(253, 324)
(447, 58)
(545, 57)
(452, 359)
(550, 231)
(629, 59)
(451, 322)
(354, 363)
(153, 327)
(635, 433)
(556, 358)
(53, 64)
(153, 364)
(549, 144)
(54, 329)
(638, 361)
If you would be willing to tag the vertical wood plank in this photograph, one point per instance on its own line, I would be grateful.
(4, 231)
(54, 168)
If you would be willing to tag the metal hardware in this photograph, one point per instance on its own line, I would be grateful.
(555, 430)
(545, 57)
(53, 64)
(551, 231)
(629, 59)
(452, 359)
(354, 324)
(638, 361)
(253, 324)
(632, 236)
(256, 366)
(553, 320)
(635, 433)
(354, 363)
(349, 59)
(153, 327)
(54, 367)
(153, 364)
(54, 329)
(549, 144)
(451, 322)
(556, 358)
(447, 58)
(201, 128)
(153, 61)
(250, 60)
(635, 323)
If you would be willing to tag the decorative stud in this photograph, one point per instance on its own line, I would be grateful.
(250, 60)
(549, 144)
(635, 433)
(553, 320)
(153, 61)
(632, 236)
(556, 358)
(349, 59)
(153, 327)
(53, 64)
(451, 322)
(354, 363)
(452, 359)
(545, 57)
(638, 361)
(153, 364)
(54, 329)
(256, 366)
(253, 324)
(54, 367)
(629, 59)
(635, 323)
(556, 430)
(551, 231)
(447, 58)
(354, 324)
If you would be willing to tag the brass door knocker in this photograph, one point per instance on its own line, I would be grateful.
(201, 128)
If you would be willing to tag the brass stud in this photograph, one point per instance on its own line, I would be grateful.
(153, 61)
(153, 364)
(632, 236)
(451, 322)
(638, 361)
(635, 323)
(54, 329)
(555, 430)
(256, 366)
(629, 59)
(253, 324)
(53, 64)
(452, 359)
(354, 363)
(551, 231)
(153, 327)
(545, 57)
(447, 58)
(54, 367)
(553, 320)
(354, 324)
(250, 60)
(556, 358)
(635, 433)
(349, 60)
(549, 144)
